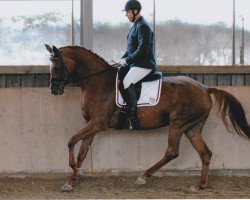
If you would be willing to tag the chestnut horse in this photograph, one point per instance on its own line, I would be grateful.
(184, 106)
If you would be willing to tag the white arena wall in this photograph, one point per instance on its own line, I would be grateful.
(35, 127)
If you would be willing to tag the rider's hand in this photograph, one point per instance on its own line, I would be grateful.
(122, 62)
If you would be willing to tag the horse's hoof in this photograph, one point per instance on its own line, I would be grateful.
(194, 189)
(140, 181)
(80, 177)
(66, 188)
(197, 188)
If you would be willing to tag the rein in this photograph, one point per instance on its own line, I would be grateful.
(97, 73)
(64, 79)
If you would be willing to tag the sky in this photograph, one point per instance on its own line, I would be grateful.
(190, 11)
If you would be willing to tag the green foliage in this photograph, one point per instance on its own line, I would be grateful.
(36, 21)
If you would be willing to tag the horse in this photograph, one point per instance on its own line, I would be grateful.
(183, 115)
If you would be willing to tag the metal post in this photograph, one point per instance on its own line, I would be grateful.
(81, 22)
(154, 24)
(72, 24)
(242, 48)
(86, 24)
(233, 50)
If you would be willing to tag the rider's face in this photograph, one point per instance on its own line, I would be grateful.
(130, 15)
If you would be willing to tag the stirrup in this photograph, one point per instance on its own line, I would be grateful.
(133, 123)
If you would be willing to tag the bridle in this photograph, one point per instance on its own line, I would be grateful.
(63, 78)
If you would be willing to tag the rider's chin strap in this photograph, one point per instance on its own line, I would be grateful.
(133, 11)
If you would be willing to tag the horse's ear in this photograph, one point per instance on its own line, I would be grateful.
(55, 50)
(49, 49)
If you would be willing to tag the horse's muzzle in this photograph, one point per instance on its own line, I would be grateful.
(57, 90)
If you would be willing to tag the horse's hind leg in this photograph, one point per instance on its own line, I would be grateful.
(171, 153)
(194, 136)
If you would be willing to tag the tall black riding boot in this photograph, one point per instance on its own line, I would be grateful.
(132, 103)
(122, 118)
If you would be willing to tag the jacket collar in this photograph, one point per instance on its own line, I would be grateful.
(135, 23)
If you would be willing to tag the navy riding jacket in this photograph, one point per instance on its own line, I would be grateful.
(140, 49)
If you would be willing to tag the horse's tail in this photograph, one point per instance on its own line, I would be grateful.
(229, 105)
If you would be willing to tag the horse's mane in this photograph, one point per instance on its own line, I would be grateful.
(87, 51)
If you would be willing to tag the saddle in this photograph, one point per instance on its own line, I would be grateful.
(152, 76)
(149, 79)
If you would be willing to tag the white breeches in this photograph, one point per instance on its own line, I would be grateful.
(134, 75)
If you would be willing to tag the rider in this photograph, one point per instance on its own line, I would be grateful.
(139, 58)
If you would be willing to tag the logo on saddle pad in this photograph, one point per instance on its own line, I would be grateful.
(150, 94)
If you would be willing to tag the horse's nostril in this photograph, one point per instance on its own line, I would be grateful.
(60, 91)
(54, 92)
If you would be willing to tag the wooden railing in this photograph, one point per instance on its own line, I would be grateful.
(204, 69)
(38, 75)
(166, 69)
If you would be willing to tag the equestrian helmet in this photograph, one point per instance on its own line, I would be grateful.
(133, 5)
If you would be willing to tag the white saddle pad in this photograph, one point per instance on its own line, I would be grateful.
(150, 94)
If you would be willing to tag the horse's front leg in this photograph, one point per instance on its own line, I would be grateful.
(83, 153)
(86, 134)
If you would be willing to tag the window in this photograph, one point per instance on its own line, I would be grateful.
(199, 32)
(111, 26)
(25, 26)
(187, 32)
